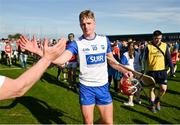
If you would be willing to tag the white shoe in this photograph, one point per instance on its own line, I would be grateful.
(128, 104)
(59, 78)
(137, 101)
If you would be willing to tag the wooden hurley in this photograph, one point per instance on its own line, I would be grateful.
(147, 80)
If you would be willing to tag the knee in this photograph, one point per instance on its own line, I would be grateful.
(88, 120)
(163, 90)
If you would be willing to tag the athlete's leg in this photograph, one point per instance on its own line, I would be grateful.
(163, 89)
(87, 102)
(87, 112)
(106, 112)
(152, 100)
(152, 94)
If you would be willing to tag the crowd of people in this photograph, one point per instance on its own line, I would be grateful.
(89, 55)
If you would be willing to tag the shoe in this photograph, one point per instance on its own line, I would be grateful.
(58, 78)
(174, 76)
(153, 109)
(137, 101)
(128, 104)
(158, 107)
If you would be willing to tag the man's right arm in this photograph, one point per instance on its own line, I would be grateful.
(63, 58)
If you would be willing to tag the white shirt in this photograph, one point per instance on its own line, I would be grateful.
(2, 78)
(92, 60)
(127, 61)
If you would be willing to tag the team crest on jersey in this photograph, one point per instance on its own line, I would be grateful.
(95, 58)
(94, 47)
(103, 47)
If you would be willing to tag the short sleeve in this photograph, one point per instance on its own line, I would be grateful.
(108, 46)
(72, 47)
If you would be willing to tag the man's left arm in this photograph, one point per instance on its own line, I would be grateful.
(169, 61)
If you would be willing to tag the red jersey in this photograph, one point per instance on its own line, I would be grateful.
(174, 57)
(115, 50)
(8, 48)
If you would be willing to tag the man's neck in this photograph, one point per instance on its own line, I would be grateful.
(157, 43)
(89, 37)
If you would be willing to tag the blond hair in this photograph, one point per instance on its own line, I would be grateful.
(86, 14)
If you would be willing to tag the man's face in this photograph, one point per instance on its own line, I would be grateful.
(157, 39)
(87, 26)
(71, 38)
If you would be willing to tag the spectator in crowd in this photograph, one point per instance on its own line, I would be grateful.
(131, 60)
(114, 74)
(174, 58)
(23, 57)
(8, 51)
(72, 65)
(124, 47)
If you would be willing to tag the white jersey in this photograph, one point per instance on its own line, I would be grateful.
(127, 61)
(2, 78)
(92, 60)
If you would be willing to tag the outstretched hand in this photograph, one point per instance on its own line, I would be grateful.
(30, 45)
(52, 52)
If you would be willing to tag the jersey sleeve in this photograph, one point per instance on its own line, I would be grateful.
(124, 60)
(2, 78)
(72, 47)
(108, 46)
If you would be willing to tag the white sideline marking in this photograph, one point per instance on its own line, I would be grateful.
(12, 68)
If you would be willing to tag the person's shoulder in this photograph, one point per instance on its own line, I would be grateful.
(101, 35)
(125, 53)
(162, 42)
(80, 38)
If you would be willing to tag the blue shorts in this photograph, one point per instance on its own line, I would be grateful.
(159, 76)
(94, 95)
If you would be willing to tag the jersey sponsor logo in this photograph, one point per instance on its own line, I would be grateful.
(86, 49)
(95, 58)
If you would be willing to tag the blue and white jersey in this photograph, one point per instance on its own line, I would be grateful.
(127, 61)
(92, 59)
(132, 63)
(2, 78)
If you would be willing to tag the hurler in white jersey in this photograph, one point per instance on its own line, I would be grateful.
(92, 51)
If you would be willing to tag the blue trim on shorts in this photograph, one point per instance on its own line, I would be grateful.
(94, 95)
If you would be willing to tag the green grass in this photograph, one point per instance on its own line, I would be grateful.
(51, 102)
